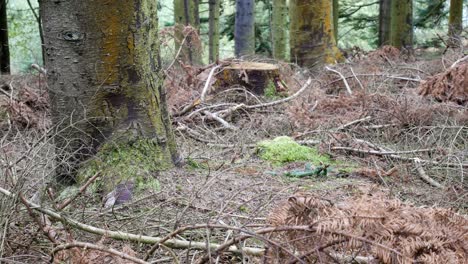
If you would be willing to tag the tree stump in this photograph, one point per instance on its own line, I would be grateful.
(254, 76)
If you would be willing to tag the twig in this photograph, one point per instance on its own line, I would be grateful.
(119, 235)
(207, 84)
(359, 82)
(394, 155)
(225, 112)
(458, 61)
(342, 77)
(82, 189)
(220, 120)
(96, 247)
(353, 122)
(424, 176)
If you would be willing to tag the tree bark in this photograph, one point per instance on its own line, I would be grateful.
(213, 42)
(402, 24)
(279, 30)
(312, 40)
(385, 8)
(105, 86)
(244, 30)
(336, 13)
(455, 22)
(4, 50)
(186, 14)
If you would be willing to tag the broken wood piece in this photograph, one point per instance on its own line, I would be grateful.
(255, 76)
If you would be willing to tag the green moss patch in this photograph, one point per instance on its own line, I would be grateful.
(119, 162)
(284, 149)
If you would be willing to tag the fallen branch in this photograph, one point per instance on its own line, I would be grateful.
(394, 155)
(424, 176)
(172, 243)
(220, 120)
(343, 78)
(226, 112)
(367, 118)
(96, 247)
(82, 189)
(207, 84)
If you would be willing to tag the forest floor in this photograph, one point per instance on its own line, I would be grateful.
(383, 127)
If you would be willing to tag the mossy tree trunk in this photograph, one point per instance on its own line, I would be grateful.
(312, 37)
(402, 24)
(186, 14)
(4, 50)
(279, 22)
(385, 7)
(336, 9)
(455, 22)
(244, 28)
(213, 41)
(104, 82)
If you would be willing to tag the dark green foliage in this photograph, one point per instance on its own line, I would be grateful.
(430, 13)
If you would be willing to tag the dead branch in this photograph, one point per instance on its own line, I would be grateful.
(207, 84)
(424, 176)
(119, 235)
(343, 78)
(395, 155)
(82, 189)
(220, 120)
(85, 246)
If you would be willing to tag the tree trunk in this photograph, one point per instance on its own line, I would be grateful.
(186, 14)
(279, 30)
(244, 31)
(402, 24)
(106, 88)
(455, 22)
(4, 50)
(336, 13)
(312, 39)
(213, 42)
(385, 8)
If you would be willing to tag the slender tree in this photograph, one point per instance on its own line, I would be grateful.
(186, 14)
(385, 7)
(312, 38)
(4, 50)
(455, 21)
(244, 30)
(213, 41)
(402, 24)
(279, 30)
(106, 90)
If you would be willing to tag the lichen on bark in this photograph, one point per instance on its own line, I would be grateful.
(312, 38)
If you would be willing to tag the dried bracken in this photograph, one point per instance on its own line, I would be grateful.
(370, 227)
(451, 85)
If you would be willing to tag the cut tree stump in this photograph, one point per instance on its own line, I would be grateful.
(255, 76)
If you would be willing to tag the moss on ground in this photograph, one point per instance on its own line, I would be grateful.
(284, 149)
(119, 162)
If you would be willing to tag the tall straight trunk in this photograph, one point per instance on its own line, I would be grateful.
(312, 39)
(385, 7)
(213, 41)
(455, 21)
(244, 30)
(4, 50)
(279, 22)
(186, 14)
(402, 24)
(105, 86)
(336, 13)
